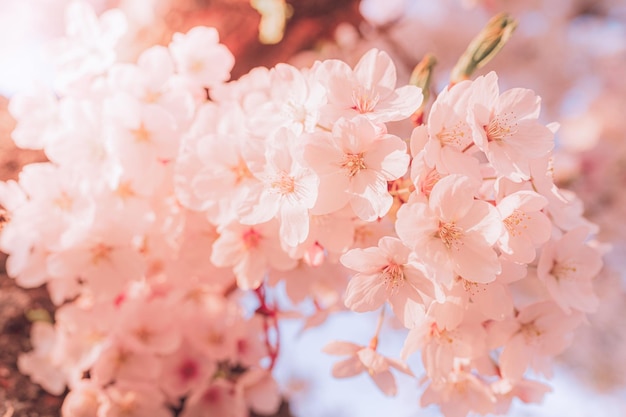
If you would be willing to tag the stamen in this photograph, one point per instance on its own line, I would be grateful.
(353, 163)
(563, 270)
(141, 134)
(515, 222)
(100, 252)
(284, 184)
(450, 234)
(393, 276)
(501, 126)
(364, 100)
(240, 171)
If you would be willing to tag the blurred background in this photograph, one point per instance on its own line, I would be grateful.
(571, 52)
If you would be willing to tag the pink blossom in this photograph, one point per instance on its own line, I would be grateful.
(453, 233)
(184, 369)
(251, 251)
(528, 391)
(83, 400)
(88, 49)
(260, 391)
(366, 359)
(506, 127)
(462, 393)
(120, 362)
(37, 116)
(538, 333)
(287, 189)
(294, 101)
(217, 398)
(149, 326)
(200, 58)
(567, 267)
(368, 90)
(386, 273)
(443, 348)
(43, 364)
(354, 163)
(525, 226)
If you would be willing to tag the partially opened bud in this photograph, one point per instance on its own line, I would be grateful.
(484, 47)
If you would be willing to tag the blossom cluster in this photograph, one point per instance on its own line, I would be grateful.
(170, 192)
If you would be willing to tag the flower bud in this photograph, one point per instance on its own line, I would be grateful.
(484, 46)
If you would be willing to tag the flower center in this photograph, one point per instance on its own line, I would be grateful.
(353, 163)
(455, 136)
(241, 172)
(100, 252)
(64, 201)
(515, 223)
(563, 270)
(284, 184)
(531, 332)
(188, 370)
(450, 234)
(501, 126)
(393, 276)
(141, 134)
(251, 238)
(364, 100)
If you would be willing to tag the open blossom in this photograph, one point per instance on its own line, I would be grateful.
(525, 226)
(506, 128)
(89, 47)
(366, 359)
(294, 98)
(567, 266)
(442, 348)
(538, 333)
(386, 273)
(43, 364)
(286, 189)
(354, 163)
(251, 251)
(453, 233)
(200, 58)
(368, 90)
(462, 393)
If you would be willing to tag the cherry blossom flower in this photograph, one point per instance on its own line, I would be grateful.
(453, 233)
(219, 398)
(184, 369)
(539, 332)
(200, 58)
(368, 90)
(462, 393)
(386, 273)
(443, 348)
(354, 163)
(288, 189)
(567, 266)
(43, 364)
(506, 128)
(525, 226)
(88, 49)
(366, 359)
(83, 400)
(251, 251)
